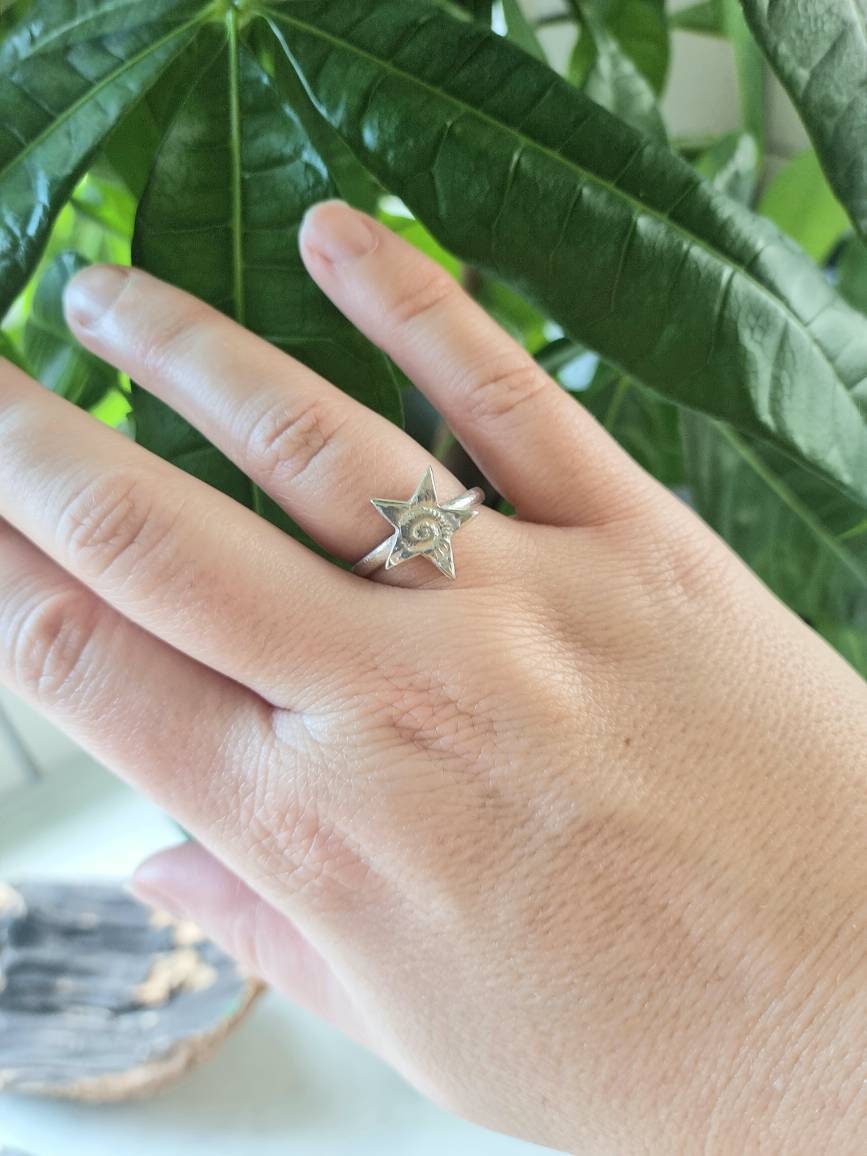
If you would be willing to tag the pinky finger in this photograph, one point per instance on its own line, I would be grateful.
(155, 716)
(189, 883)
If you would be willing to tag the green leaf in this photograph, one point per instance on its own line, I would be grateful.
(732, 163)
(53, 355)
(850, 641)
(801, 203)
(818, 48)
(647, 427)
(853, 273)
(614, 237)
(806, 540)
(512, 312)
(478, 9)
(350, 179)
(416, 234)
(640, 30)
(11, 352)
(750, 66)
(220, 218)
(705, 17)
(612, 79)
(559, 353)
(790, 527)
(520, 30)
(54, 25)
(107, 203)
(131, 146)
(63, 85)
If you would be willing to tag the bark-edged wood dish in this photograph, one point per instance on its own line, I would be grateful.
(104, 999)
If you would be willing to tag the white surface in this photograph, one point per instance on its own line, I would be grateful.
(47, 745)
(282, 1083)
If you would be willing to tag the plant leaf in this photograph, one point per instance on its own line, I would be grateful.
(478, 9)
(853, 273)
(806, 540)
(512, 312)
(791, 528)
(732, 163)
(750, 66)
(612, 79)
(60, 94)
(520, 30)
(11, 352)
(53, 25)
(647, 427)
(801, 203)
(220, 218)
(818, 48)
(53, 355)
(850, 641)
(640, 29)
(705, 17)
(132, 144)
(350, 179)
(617, 239)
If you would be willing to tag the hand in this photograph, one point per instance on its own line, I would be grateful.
(576, 841)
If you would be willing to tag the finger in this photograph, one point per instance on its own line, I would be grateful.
(157, 717)
(191, 884)
(189, 564)
(319, 453)
(545, 453)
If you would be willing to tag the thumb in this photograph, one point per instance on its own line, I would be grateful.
(189, 883)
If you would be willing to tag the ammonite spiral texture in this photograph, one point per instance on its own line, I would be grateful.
(423, 527)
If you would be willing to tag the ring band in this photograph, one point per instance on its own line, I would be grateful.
(422, 527)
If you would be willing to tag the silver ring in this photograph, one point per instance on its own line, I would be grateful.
(423, 527)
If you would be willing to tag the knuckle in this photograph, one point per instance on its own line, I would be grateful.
(170, 334)
(109, 522)
(303, 849)
(693, 563)
(285, 440)
(677, 567)
(423, 298)
(498, 387)
(48, 642)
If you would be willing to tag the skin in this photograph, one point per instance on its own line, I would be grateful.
(576, 842)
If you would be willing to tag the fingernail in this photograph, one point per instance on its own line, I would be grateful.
(337, 232)
(90, 293)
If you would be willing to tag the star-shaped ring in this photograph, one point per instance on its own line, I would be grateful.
(423, 527)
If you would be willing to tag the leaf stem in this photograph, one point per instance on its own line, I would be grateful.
(791, 499)
(239, 304)
(620, 391)
(235, 161)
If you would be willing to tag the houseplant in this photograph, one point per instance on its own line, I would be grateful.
(191, 135)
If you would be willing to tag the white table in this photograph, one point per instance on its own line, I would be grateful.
(282, 1083)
